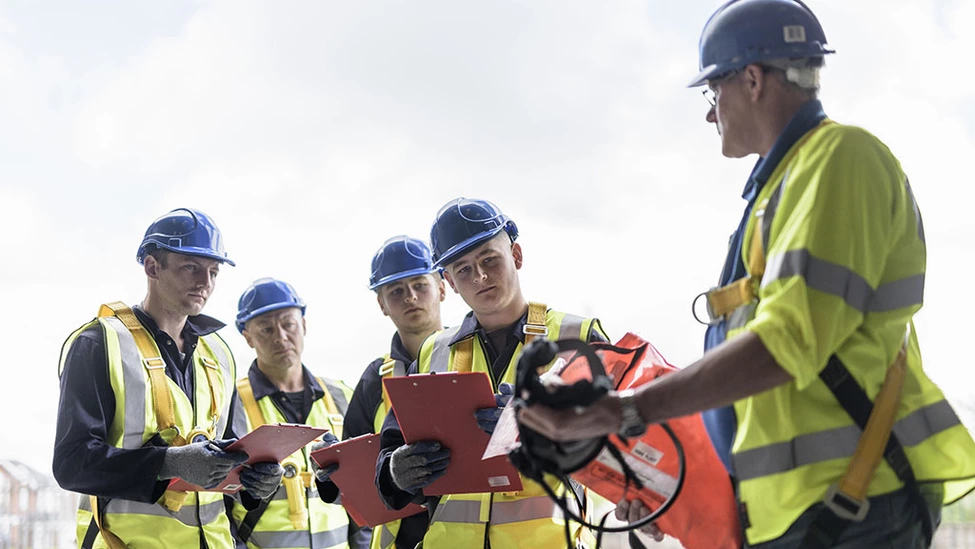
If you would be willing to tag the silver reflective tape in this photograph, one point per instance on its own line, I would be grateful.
(571, 327)
(837, 443)
(462, 511)
(299, 538)
(134, 379)
(440, 356)
(521, 510)
(837, 280)
(186, 515)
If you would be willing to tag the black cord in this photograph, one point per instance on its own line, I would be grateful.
(563, 504)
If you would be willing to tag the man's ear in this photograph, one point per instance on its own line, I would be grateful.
(517, 254)
(247, 338)
(756, 81)
(442, 288)
(151, 267)
(304, 327)
(382, 304)
(450, 280)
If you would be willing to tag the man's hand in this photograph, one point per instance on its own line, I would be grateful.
(323, 473)
(261, 480)
(416, 465)
(487, 418)
(632, 511)
(203, 463)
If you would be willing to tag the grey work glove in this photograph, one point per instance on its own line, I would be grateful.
(261, 480)
(201, 463)
(416, 465)
(487, 418)
(323, 473)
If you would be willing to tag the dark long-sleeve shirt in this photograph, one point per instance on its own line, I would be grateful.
(84, 461)
(360, 420)
(499, 346)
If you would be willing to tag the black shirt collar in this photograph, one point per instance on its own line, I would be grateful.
(198, 325)
(470, 326)
(262, 386)
(398, 350)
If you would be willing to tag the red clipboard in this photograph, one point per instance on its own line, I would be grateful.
(269, 442)
(357, 468)
(441, 407)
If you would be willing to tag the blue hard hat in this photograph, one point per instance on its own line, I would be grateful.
(464, 223)
(400, 257)
(184, 231)
(742, 32)
(266, 295)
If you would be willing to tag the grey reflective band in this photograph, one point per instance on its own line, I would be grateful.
(770, 208)
(338, 395)
(290, 539)
(455, 510)
(209, 512)
(741, 316)
(522, 510)
(502, 512)
(134, 379)
(837, 280)
(386, 538)
(917, 211)
(838, 443)
(572, 325)
(440, 356)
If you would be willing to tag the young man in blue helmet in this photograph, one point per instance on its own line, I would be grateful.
(147, 396)
(280, 389)
(474, 243)
(409, 290)
(812, 354)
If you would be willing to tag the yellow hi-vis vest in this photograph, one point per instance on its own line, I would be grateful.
(844, 274)
(296, 517)
(151, 525)
(384, 535)
(527, 519)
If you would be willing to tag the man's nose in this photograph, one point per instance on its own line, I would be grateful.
(711, 117)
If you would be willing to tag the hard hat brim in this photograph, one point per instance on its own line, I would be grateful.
(465, 246)
(400, 276)
(702, 77)
(198, 252)
(242, 322)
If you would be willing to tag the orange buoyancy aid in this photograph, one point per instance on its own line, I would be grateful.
(704, 514)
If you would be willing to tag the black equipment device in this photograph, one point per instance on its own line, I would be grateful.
(538, 455)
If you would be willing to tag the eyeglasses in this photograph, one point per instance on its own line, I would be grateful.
(709, 92)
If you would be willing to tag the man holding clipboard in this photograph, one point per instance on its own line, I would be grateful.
(409, 291)
(474, 243)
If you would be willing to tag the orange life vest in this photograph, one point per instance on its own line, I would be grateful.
(704, 515)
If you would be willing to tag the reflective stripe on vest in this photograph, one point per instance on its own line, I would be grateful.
(386, 537)
(520, 520)
(317, 521)
(838, 443)
(149, 524)
(502, 512)
(299, 539)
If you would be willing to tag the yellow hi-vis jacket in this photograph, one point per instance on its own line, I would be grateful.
(304, 521)
(384, 535)
(844, 275)
(528, 519)
(150, 525)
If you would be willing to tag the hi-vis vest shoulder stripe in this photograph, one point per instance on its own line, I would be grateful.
(151, 525)
(521, 520)
(296, 517)
(795, 440)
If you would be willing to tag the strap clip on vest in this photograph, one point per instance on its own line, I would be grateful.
(848, 499)
(294, 486)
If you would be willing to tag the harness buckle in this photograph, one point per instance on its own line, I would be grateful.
(531, 329)
(845, 506)
(387, 368)
(713, 320)
(154, 363)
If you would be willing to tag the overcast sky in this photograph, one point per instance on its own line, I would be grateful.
(312, 131)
